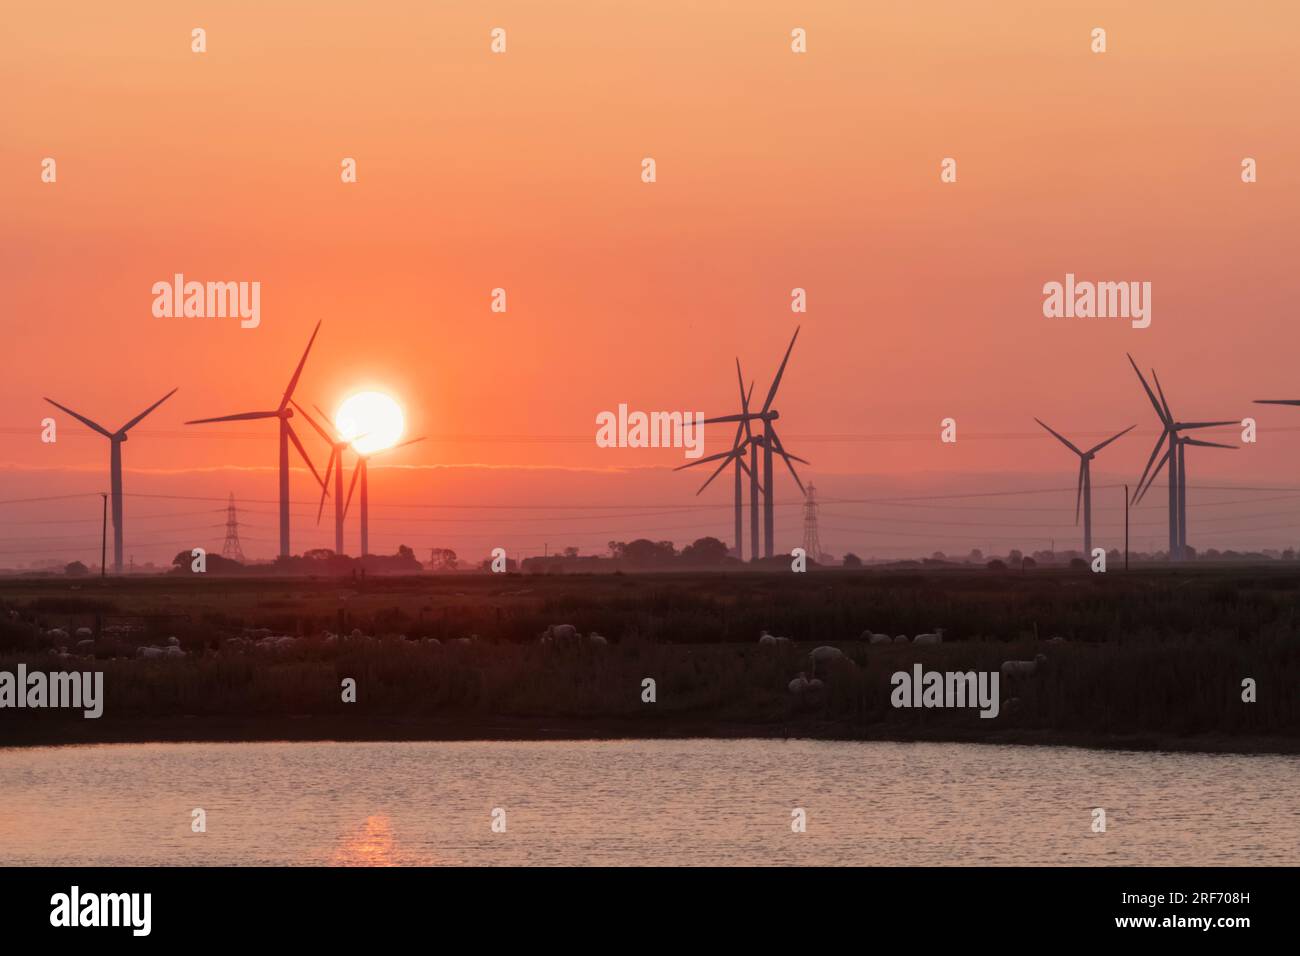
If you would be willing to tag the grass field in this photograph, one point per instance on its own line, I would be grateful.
(1150, 658)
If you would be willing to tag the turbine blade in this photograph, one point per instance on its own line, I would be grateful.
(293, 437)
(1185, 425)
(1269, 401)
(135, 421)
(312, 422)
(83, 419)
(325, 485)
(1142, 490)
(744, 404)
(241, 417)
(721, 454)
(785, 456)
(721, 465)
(1207, 444)
(728, 418)
(293, 382)
(1096, 448)
(1150, 394)
(328, 421)
(776, 382)
(1061, 438)
(361, 462)
(1169, 416)
(380, 451)
(1160, 443)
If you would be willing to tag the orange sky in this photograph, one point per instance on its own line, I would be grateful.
(775, 170)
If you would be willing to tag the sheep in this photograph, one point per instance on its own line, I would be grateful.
(1023, 668)
(57, 634)
(86, 647)
(174, 641)
(149, 653)
(783, 641)
(562, 634)
(825, 654)
(356, 634)
(174, 651)
(1058, 639)
(767, 639)
(879, 638)
(935, 638)
(84, 632)
(900, 639)
(595, 638)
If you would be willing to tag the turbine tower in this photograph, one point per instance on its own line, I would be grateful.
(1084, 492)
(115, 440)
(287, 435)
(770, 442)
(1175, 458)
(361, 471)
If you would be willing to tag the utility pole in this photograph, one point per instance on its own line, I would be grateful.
(103, 541)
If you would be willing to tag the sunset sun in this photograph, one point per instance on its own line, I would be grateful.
(373, 419)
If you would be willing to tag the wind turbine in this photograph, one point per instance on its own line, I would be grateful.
(1174, 457)
(1084, 493)
(770, 442)
(338, 444)
(114, 465)
(287, 435)
(361, 471)
(736, 455)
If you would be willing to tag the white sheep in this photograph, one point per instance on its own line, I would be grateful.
(935, 638)
(174, 641)
(149, 652)
(766, 639)
(84, 632)
(880, 639)
(900, 639)
(174, 651)
(825, 654)
(1023, 668)
(595, 638)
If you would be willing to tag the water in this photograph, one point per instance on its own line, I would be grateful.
(642, 802)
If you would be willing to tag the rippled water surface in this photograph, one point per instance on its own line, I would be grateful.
(642, 802)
